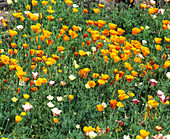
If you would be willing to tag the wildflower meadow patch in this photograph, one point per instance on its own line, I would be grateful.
(85, 69)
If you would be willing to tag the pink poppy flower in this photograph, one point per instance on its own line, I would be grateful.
(153, 82)
(35, 75)
(163, 99)
(157, 136)
(160, 93)
(27, 107)
(51, 83)
(135, 101)
(56, 111)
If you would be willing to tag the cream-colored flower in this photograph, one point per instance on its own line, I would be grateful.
(126, 137)
(72, 77)
(88, 53)
(87, 86)
(147, 27)
(9, 1)
(50, 97)
(14, 99)
(92, 134)
(93, 49)
(59, 98)
(168, 75)
(153, 16)
(50, 104)
(144, 42)
(104, 104)
(78, 126)
(20, 27)
(76, 66)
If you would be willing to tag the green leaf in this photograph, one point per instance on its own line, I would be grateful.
(3, 99)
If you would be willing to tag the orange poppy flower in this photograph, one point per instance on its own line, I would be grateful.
(121, 74)
(71, 97)
(113, 103)
(50, 17)
(88, 42)
(129, 78)
(167, 39)
(158, 40)
(158, 47)
(112, 26)
(10, 51)
(34, 2)
(155, 66)
(100, 5)
(100, 107)
(101, 82)
(85, 11)
(166, 64)
(13, 45)
(34, 89)
(25, 45)
(143, 6)
(153, 10)
(164, 56)
(12, 33)
(91, 83)
(49, 42)
(18, 89)
(134, 73)
(44, 3)
(120, 31)
(60, 48)
(33, 67)
(115, 71)
(75, 10)
(96, 10)
(135, 30)
(18, 118)
(55, 120)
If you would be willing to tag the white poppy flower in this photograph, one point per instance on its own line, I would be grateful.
(92, 134)
(26, 12)
(88, 53)
(56, 111)
(19, 27)
(104, 104)
(126, 137)
(93, 49)
(153, 16)
(27, 107)
(78, 126)
(144, 42)
(72, 77)
(147, 27)
(50, 104)
(168, 75)
(59, 98)
(75, 6)
(9, 1)
(50, 97)
(1, 17)
(87, 86)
